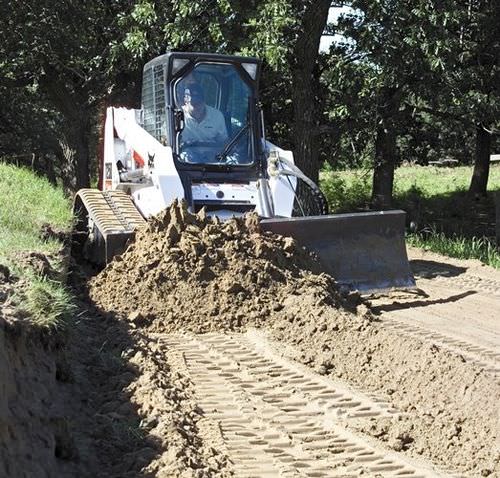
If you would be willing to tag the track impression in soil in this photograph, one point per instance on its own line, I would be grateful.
(459, 314)
(278, 418)
(189, 273)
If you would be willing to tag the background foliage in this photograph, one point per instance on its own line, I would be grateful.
(412, 81)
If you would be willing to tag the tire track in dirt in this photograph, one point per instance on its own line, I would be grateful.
(482, 357)
(278, 418)
(457, 314)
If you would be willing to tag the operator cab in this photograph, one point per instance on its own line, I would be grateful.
(205, 107)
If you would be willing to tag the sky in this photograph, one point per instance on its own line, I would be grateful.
(333, 15)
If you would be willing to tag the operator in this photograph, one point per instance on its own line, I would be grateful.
(202, 123)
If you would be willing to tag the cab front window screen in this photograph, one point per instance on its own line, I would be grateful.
(215, 101)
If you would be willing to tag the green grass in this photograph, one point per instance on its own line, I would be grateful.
(435, 181)
(447, 220)
(480, 248)
(351, 190)
(48, 304)
(28, 201)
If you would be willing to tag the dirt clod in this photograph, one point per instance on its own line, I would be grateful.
(4, 274)
(38, 263)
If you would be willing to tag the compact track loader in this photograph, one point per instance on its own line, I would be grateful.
(199, 136)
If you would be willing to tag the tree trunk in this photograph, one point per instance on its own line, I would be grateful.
(386, 153)
(383, 173)
(82, 156)
(75, 151)
(479, 181)
(77, 127)
(306, 153)
(305, 85)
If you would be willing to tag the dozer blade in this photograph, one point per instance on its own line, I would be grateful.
(362, 251)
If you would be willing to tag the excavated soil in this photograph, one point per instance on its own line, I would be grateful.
(191, 272)
(186, 272)
(449, 407)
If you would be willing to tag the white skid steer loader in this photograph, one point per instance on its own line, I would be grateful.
(199, 136)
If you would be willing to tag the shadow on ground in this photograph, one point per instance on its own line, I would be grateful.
(107, 431)
(454, 213)
(431, 269)
(379, 309)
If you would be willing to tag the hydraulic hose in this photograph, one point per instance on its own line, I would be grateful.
(287, 168)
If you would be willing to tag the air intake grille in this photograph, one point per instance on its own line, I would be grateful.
(153, 102)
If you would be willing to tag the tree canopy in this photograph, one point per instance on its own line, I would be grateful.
(409, 80)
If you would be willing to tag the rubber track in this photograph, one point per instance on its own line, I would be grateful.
(279, 418)
(112, 211)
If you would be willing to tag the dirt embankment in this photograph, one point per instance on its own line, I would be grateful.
(187, 272)
(33, 429)
(98, 400)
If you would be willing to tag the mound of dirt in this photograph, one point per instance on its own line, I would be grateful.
(189, 271)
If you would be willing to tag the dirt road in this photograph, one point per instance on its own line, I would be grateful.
(278, 417)
(297, 379)
(460, 311)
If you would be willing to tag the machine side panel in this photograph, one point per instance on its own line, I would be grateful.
(161, 183)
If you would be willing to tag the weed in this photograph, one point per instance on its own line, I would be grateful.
(346, 193)
(48, 304)
(28, 201)
(111, 361)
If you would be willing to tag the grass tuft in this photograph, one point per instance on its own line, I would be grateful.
(48, 304)
(480, 248)
(28, 201)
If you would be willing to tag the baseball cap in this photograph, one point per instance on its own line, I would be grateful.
(194, 90)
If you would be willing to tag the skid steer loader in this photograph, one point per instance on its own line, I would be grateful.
(221, 160)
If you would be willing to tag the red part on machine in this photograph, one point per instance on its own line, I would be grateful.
(139, 161)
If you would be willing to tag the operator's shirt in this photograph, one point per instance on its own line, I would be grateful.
(211, 128)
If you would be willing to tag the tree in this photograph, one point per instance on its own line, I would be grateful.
(478, 62)
(62, 55)
(305, 74)
(400, 43)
